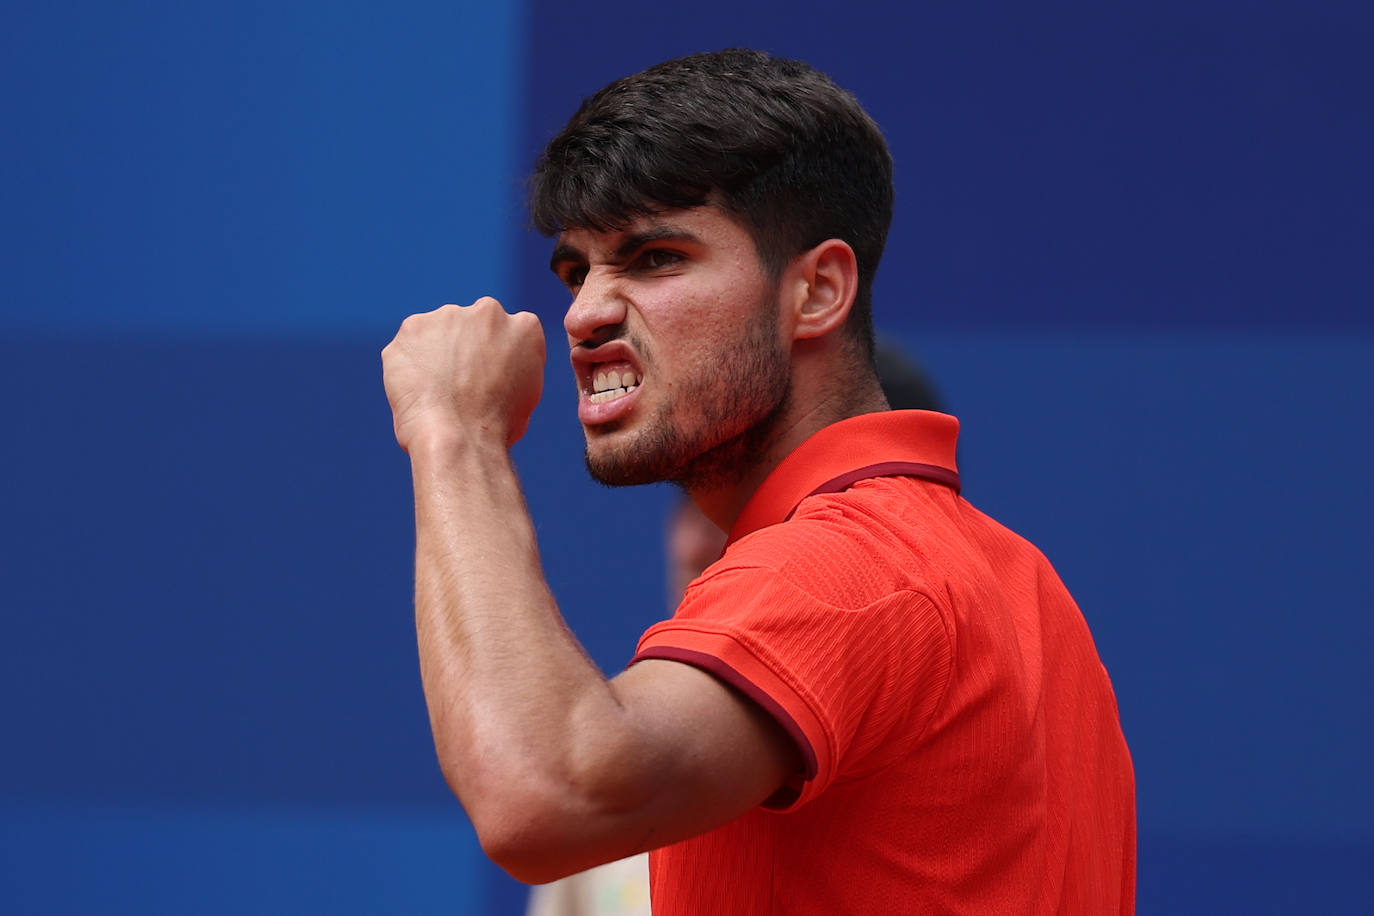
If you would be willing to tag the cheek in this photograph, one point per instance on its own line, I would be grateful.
(688, 320)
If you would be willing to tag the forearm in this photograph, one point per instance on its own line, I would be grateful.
(512, 696)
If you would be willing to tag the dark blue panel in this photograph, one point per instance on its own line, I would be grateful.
(207, 575)
(1160, 165)
(1178, 878)
(207, 571)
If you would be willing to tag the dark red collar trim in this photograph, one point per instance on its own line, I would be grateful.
(894, 442)
(885, 469)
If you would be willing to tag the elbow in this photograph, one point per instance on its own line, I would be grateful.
(534, 837)
(522, 852)
(538, 828)
(545, 810)
(518, 825)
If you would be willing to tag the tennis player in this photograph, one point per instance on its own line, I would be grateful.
(878, 700)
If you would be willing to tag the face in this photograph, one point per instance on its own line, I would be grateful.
(675, 345)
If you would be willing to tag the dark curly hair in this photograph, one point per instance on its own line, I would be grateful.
(773, 142)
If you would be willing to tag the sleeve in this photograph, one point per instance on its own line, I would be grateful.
(853, 687)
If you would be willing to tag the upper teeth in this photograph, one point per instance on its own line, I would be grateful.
(613, 384)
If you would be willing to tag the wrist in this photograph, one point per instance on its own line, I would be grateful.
(445, 445)
(437, 437)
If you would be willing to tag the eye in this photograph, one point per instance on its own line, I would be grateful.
(574, 277)
(656, 258)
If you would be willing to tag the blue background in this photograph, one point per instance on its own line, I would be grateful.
(1132, 245)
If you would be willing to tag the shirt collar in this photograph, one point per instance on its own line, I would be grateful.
(918, 443)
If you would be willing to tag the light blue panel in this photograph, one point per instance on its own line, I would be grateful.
(1206, 498)
(252, 860)
(301, 167)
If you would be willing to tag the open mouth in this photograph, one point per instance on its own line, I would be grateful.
(612, 380)
(609, 381)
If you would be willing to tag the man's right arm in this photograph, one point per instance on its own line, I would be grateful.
(558, 767)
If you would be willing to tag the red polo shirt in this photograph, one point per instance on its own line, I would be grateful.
(961, 744)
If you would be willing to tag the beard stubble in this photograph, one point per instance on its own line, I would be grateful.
(712, 432)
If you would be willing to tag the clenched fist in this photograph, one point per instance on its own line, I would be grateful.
(467, 370)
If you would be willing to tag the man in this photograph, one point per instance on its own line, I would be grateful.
(878, 700)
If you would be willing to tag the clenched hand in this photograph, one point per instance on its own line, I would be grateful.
(470, 371)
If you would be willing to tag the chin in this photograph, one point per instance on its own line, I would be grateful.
(708, 438)
(669, 456)
(624, 467)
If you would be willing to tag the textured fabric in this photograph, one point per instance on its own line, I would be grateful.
(962, 744)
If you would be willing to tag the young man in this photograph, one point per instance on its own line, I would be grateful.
(878, 700)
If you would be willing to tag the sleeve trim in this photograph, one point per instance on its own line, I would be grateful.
(723, 671)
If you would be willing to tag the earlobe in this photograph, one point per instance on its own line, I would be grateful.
(830, 273)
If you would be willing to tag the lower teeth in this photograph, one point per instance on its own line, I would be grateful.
(599, 397)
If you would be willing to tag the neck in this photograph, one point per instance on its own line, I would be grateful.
(824, 391)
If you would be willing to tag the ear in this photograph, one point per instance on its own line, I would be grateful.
(824, 282)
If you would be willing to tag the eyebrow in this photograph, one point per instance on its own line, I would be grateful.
(564, 253)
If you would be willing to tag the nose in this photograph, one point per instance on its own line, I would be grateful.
(597, 311)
